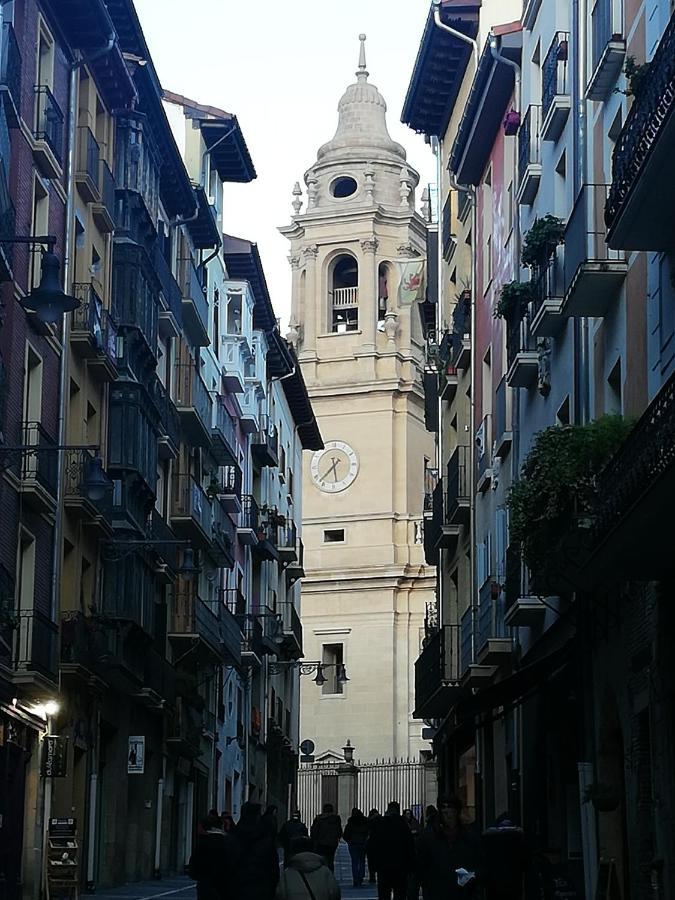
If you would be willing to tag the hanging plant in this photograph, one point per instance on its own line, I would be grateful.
(637, 76)
(555, 496)
(541, 240)
(513, 300)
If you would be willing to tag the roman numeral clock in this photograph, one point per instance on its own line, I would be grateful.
(334, 468)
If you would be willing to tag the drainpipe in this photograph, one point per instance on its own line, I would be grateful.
(437, 148)
(158, 821)
(436, 4)
(582, 176)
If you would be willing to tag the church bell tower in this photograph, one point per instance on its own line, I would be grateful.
(359, 341)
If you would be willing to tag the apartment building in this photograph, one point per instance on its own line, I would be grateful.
(540, 682)
(150, 447)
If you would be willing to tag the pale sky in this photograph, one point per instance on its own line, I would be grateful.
(281, 68)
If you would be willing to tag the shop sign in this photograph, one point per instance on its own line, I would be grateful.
(54, 756)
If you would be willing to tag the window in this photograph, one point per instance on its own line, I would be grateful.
(32, 390)
(382, 291)
(343, 187)
(233, 325)
(344, 294)
(40, 226)
(332, 657)
(334, 536)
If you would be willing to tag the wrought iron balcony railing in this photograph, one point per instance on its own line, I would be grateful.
(36, 644)
(529, 140)
(170, 288)
(437, 672)
(554, 72)
(88, 161)
(467, 627)
(43, 466)
(49, 121)
(93, 331)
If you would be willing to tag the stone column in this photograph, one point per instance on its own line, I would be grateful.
(310, 312)
(348, 776)
(368, 290)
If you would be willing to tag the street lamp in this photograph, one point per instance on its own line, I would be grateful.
(311, 667)
(95, 483)
(48, 301)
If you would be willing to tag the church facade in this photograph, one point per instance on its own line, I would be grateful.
(360, 345)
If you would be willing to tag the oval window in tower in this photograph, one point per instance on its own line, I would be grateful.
(343, 187)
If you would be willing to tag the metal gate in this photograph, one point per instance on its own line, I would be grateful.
(377, 783)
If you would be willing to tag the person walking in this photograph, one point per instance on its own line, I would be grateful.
(447, 847)
(306, 876)
(207, 863)
(290, 831)
(392, 850)
(373, 816)
(507, 859)
(326, 833)
(415, 827)
(252, 863)
(356, 836)
(269, 819)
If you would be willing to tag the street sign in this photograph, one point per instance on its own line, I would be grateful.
(54, 756)
(63, 827)
(307, 748)
(136, 755)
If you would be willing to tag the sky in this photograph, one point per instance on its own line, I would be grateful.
(281, 68)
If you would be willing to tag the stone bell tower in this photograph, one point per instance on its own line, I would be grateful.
(359, 341)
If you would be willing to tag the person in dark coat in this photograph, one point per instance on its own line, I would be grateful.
(392, 850)
(356, 836)
(373, 816)
(326, 833)
(447, 847)
(269, 819)
(507, 859)
(252, 862)
(207, 863)
(290, 831)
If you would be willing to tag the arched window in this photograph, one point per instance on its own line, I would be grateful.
(383, 288)
(344, 294)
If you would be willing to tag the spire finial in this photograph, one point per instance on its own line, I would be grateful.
(362, 73)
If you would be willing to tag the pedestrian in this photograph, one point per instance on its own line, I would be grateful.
(373, 816)
(507, 859)
(291, 830)
(413, 878)
(326, 833)
(306, 876)
(411, 822)
(252, 862)
(356, 836)
(448, 846)
(207, 863)
(392, 850)
(430, 814)
(270, 820)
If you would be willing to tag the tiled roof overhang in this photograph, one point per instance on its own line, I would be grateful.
(439, 68)
(204, 229)
(243, 263)
(229, 154)
(483, 114)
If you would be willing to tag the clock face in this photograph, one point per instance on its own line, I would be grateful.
(335, 467)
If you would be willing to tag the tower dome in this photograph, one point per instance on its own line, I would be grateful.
(362, 125)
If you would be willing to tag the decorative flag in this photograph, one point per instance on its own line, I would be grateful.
(412, 280)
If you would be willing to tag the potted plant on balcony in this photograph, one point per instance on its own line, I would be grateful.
(552, 505)
(637, 76)
(511, 122)
(541, 241)
(513, 300)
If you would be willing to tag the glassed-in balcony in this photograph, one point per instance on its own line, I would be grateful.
(224, 438)
(135, 302)
(234, 355)
(168, 441)
(171, 313)
(250, 410)
(103, 209)
(191, 513)
(194, 404)
(642, 196)
(193, 623)
(194, 303)
(138, 162)
(223, 538)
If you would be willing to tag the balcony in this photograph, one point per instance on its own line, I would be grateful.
(171, 313)
(249, 421)
(503, 433)
(129, 597)
(288, 542)
(93, 335)
(608, 48)
(39, 469)
(231, 635)
(226, 486)
(266, 547)
(103, 209)
(192, 624)
(83, 648)
(292, 633)
(493, 645)
(168, 439)
(35, 654)
(460, 356)
(642, 196)
(7, 227)
(10, 75)
(191, 515)
(448, 379)
(295, 569)
(48, 134)
(472, 673)
(234, 600)
(135, 304)
(195, 305)
(223, 435)
(529, 156)
(87, 165)
(556, 101)
(265, 445)
(94, 514)
(165, 551)
(137, 169)
(159, 683)
(484, 454)
(630, 536)
(194, 404)
(184, 733)
(449, 242)
(457, 508)
(247, 529)
(521, 609)
(522, 357)
(252, 649)
(223, 537)
(234, 352)
(437, 674)
(594, 273)
(547, 297)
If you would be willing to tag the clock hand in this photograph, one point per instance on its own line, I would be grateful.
(332, 469)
